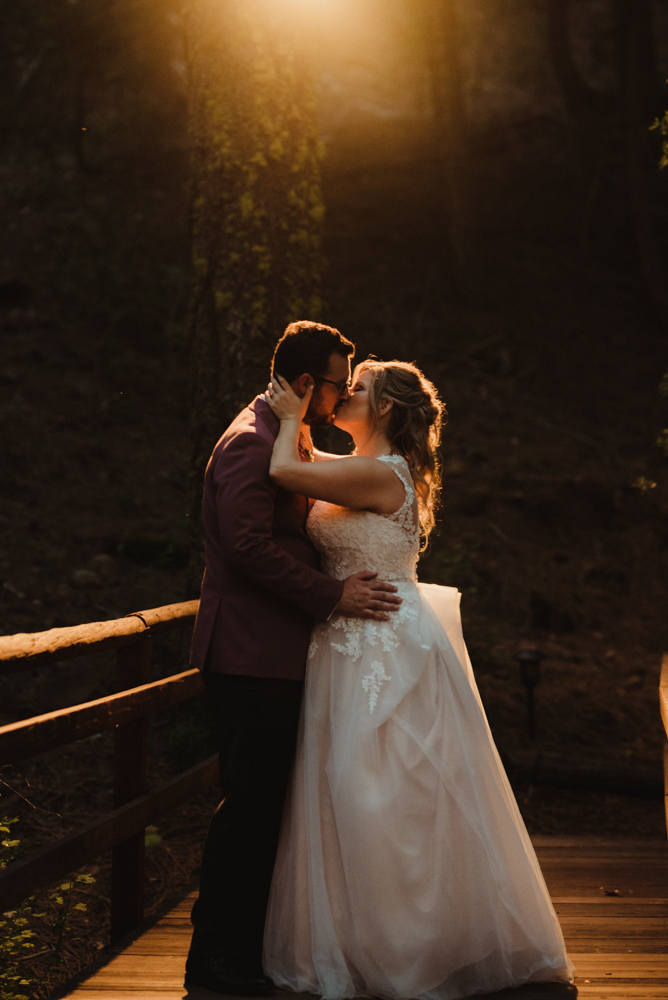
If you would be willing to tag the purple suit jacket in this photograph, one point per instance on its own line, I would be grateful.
(262, 588)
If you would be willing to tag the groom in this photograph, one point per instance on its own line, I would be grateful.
(261, 593)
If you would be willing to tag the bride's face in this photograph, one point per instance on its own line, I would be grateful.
(354, 414)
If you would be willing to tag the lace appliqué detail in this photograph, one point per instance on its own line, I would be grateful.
(372, 683)
(359, 633)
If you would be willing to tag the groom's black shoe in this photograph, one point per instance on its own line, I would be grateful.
(225, 975)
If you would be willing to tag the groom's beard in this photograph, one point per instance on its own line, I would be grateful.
(318, 415)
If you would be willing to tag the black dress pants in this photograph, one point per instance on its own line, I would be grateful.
(256, 722)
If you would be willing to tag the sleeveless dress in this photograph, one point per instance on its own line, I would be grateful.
(404, 869)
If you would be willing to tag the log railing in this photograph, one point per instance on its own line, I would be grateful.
(127, 713)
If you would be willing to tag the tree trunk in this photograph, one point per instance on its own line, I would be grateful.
(256, 208)
(597, 118)
(591, 112)
(441, 42)
(639, 91)
(579, 97)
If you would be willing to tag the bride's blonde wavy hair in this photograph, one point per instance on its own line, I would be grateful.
(414, 429)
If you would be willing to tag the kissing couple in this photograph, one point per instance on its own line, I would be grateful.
(368, 842)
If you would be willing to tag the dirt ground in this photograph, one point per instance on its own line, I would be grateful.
(549, 363)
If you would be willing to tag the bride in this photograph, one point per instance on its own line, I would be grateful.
(404, 869)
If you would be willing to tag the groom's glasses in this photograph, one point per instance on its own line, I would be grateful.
(340, 386)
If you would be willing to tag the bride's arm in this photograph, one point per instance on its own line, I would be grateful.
(358, 482)
(325, 456)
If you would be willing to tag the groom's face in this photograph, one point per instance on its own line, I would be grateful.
(331, 389)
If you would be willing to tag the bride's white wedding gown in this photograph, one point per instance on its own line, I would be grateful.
(404, 869)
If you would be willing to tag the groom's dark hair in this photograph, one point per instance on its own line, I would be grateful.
(307, 347)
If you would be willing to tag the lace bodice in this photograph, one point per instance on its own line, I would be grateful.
(350, 541)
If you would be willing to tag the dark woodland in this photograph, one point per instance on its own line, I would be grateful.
(478, 188)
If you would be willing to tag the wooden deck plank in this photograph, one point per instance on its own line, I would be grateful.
(613, 927)
(85, 994)
(630, 992)
(658, 964)
(602, 946)
(624, 906)
(579, 926)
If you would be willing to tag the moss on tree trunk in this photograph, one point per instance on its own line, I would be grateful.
(256, 209)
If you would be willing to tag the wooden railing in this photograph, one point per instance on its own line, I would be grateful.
(127, 713)
(663, 697)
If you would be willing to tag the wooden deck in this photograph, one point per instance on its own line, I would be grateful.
(618, 943)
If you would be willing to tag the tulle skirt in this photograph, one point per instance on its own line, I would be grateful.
(404, 869)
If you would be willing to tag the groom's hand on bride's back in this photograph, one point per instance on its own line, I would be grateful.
(365, 596)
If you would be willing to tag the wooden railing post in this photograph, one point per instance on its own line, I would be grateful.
(663, 700)
(133, 667)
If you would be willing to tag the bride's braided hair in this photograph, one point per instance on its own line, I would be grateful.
(414, 429)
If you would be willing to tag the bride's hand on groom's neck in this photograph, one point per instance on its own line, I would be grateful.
(285, 402)
(290, 410)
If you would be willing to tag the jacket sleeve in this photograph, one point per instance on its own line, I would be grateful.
(245, 509)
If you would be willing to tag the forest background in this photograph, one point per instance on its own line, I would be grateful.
(494, 211)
